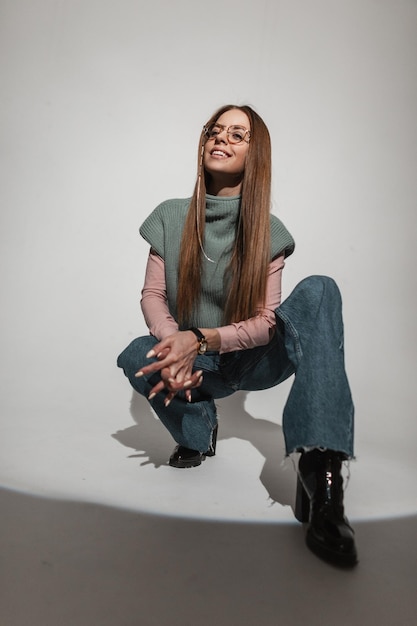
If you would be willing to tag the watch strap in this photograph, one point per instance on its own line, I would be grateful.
(197, 332)
(202, 348)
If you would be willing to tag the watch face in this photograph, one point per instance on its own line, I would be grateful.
(203, 347)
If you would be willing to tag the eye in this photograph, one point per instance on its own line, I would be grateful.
(213, 131)
(237, 134)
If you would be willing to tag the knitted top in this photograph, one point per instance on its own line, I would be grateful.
(163, 231)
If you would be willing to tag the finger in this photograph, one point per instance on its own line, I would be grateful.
(156, 389)
(196, 379)
(160, 355)
(193, 385)
(156, 366)
(174, 385)
(169, 397)
(186, 380)
(178, 385)
(158, 349)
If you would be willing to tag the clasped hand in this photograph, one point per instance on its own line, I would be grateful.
(175, 359)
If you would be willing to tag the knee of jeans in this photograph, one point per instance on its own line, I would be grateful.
(134, 356)
(321, 286)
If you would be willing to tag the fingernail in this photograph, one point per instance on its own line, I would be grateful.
(187, 383)
(199, 373)
(138, 374)
(167, 402)
(171, 380)
(151, 396)
(150, 354)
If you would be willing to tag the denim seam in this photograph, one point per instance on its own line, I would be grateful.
(289, 325)
(205, 414)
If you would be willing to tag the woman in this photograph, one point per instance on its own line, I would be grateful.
(212, 302)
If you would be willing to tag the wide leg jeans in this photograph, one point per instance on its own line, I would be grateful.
(308, 342)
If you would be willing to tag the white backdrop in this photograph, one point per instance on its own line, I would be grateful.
(102, 105)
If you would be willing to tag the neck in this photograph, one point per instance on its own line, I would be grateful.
(224, 186)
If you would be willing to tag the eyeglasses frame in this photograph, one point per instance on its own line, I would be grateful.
(226, 128)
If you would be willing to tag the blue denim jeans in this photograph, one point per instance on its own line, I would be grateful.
(308, 343)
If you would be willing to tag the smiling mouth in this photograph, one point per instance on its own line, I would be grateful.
(219, 154)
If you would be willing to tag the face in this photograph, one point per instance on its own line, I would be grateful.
(222, 159)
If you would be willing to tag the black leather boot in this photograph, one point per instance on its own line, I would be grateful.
(319, 502)
(186, 457)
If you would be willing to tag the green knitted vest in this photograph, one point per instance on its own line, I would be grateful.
(163, 231)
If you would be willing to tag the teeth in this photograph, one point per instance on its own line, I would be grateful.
(219, 153)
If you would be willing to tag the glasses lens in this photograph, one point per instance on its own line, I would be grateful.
(236, 134)
(213, 131)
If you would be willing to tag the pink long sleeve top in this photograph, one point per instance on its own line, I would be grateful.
(255, 331)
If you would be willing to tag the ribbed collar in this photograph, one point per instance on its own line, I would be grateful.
(222, 208)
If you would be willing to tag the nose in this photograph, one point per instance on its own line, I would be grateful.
(221, 137)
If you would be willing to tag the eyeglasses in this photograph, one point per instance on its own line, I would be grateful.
(235, 134)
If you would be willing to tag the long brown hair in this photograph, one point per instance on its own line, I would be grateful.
(251, 253)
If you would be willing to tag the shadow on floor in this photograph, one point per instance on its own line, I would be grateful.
(79, 564)
(152, 442)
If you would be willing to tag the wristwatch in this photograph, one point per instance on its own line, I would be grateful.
(202, 341)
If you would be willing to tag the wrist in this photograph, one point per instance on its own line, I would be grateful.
(202, 344)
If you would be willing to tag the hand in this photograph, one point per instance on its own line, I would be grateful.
(173, 386)
(175, 359)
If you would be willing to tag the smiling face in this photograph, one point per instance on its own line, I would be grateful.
(224, 162)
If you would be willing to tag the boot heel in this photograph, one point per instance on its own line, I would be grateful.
(212, 449)
(302, 503)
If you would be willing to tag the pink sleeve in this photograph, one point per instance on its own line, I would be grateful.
(154, 302)
(257, 330)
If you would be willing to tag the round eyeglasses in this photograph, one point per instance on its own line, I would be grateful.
(235, 134)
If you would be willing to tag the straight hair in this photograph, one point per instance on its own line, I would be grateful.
(246, 277)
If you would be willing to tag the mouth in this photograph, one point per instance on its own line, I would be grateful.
(219, 154)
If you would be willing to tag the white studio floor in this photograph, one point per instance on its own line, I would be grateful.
(97, 529)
